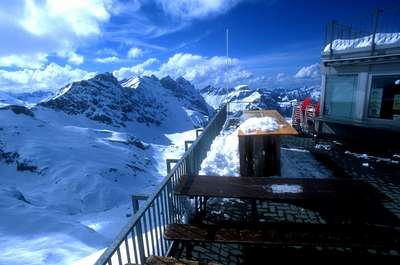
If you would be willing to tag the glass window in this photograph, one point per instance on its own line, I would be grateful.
(384, 100)
(340, 95)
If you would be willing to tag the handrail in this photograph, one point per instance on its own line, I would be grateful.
(142, 236)
(380, 21)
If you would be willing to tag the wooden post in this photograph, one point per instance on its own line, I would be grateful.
(259, 155)
(246, 156)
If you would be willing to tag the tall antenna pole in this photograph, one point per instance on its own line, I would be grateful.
(227, 57)
(227, 43)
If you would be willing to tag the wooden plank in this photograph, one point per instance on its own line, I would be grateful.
(278, 189)
(246, 156)
(310, 235)
(285, 127)
(266, 156)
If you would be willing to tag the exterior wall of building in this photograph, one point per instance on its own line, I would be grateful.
(362, 93)
(365, 72)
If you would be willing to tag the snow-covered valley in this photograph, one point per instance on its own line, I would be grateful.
(69, 165)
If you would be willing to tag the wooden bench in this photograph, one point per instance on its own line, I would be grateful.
(161, 260)
(283, 235)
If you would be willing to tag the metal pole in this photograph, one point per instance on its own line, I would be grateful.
(332, 37)
(375, 29)
(187, 143)
(169, 162)
(198, 132)
(139, 232)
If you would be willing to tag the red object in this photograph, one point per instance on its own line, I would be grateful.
(305, 103)
(317, 108)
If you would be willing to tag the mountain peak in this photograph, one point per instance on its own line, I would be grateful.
(105, 77)
(181, 79)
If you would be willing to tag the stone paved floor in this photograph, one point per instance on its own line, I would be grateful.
(382, 175)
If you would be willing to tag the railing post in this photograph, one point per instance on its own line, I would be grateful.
(139, 231)
(198, 132)
(187, 143)
(169, 162)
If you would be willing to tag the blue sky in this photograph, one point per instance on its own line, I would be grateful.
(273, 43)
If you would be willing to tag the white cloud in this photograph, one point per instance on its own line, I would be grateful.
(72, 57)
(80, 17)
(204, 71)
(136, 70)
(216, 71)
(52, 77)
(194, 9)
(50, 26)
(311, 71)
(107, 51)
(75, 58)
(31, 61)
(110, 59)
(171, 16)
(135, 52)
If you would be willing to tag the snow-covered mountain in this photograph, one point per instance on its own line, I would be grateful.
(74, 161)
(187, 94)
(217, 96)
(141, 99)
(28, 99)
(279, 98)
(190, 98)
(6, 99)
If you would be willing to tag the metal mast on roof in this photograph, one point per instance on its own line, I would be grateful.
(227, 57)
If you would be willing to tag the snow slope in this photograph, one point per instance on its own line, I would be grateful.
(69, 166)
(28, 99)
(6, 99)
(187, 94)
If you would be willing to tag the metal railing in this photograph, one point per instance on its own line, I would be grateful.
(381, 21)
(143, 235)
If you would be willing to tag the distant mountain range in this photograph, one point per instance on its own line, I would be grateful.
(280, 99)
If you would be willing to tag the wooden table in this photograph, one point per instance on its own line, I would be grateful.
(260, 150)
(337, 200)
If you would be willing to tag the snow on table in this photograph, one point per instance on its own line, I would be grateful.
(266, 124)
(285, 188)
